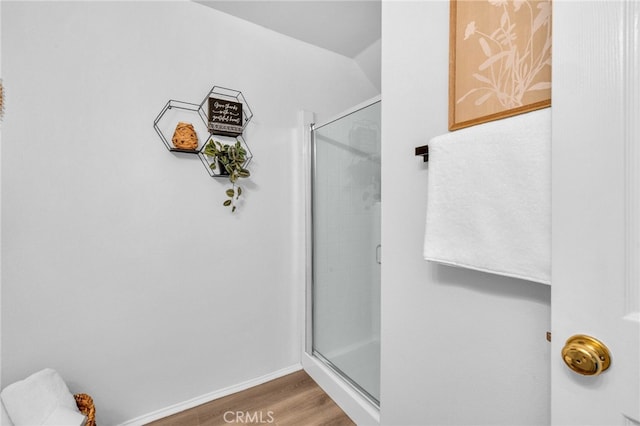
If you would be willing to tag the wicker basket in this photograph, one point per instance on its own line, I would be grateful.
(86, 407)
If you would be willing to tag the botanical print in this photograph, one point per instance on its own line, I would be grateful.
(502, 59)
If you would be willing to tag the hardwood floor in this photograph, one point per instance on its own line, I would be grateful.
(294, 399)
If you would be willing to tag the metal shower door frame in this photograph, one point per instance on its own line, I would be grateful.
(309, 284)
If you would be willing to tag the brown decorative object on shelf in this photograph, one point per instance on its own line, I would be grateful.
(86, 407)
(185, 136)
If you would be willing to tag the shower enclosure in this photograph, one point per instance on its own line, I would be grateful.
(346, 249)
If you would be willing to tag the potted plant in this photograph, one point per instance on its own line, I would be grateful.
(230, 159)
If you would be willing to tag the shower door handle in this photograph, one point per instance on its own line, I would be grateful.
(379, 254)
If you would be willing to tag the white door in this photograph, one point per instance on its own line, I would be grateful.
(595, 207)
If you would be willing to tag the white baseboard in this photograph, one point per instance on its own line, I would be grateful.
(199, 400)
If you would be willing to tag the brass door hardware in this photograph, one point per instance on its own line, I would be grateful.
(586, 355)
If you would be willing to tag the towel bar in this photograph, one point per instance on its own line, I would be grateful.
(424, 151)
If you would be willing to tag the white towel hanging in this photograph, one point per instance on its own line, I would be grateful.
(489, 197)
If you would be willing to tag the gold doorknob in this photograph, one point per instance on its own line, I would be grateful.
(586, 355)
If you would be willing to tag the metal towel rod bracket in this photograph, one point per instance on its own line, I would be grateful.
(423, 151)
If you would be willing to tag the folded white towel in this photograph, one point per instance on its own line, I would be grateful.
(33, 400)
(489, 197)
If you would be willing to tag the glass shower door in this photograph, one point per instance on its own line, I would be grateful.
(347, 248)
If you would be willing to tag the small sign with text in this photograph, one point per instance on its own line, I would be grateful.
(225, 117)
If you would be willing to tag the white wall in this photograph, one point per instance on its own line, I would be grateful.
(121, 268)
(458, 346)
(369, 61)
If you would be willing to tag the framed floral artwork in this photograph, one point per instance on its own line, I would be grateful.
(499, 59)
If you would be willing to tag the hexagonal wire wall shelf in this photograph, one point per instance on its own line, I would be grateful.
(178, 111)
(222, 93)
(208, 161)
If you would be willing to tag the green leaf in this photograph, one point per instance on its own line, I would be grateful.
(233, 209)
(210, 149)
(244, 173)
(230, 193)
(213, 165)
(239, 191)
(227, 203)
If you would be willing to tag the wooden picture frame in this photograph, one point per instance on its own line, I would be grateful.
(499, 59)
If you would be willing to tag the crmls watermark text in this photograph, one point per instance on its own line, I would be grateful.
(248, 417)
